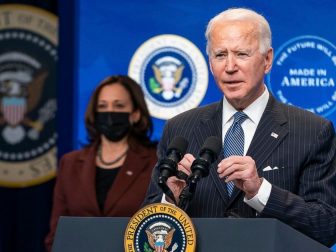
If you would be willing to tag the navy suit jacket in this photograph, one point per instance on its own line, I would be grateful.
(301, 144)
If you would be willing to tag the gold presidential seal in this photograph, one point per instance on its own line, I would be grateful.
(160, 228)
(28, 58)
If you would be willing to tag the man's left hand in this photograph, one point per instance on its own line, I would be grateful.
(243, 172)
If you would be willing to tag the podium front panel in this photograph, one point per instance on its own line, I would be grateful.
(106, 234)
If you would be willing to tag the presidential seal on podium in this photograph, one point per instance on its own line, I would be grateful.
(160, 228)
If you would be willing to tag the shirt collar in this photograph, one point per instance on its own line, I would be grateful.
(254, 111)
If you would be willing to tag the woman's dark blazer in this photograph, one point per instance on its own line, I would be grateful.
(75, 190)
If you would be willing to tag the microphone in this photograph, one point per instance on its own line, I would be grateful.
(200, 168)
(207, 155)
(175, 152)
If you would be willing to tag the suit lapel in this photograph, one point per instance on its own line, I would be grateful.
(127, 175)
(87, 175)
(271, 131)
(211, 125)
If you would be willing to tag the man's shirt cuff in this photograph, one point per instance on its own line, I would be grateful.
(163, 200)
(259, 201)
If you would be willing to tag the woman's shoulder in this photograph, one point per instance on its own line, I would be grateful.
(152, 149)
(77, 154)
(145, 149)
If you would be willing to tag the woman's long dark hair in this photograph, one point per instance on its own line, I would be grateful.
(142, 130)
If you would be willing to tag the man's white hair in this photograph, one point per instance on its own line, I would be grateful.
(242, 14)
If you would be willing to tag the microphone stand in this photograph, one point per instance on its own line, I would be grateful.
(188, 192)
(200, 170)
(185, 198)
(165, 189)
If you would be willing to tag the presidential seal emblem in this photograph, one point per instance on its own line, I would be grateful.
(28, 57)
(160, 228)
(303, 74)
(172, 72)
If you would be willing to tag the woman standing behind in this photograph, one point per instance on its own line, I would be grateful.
(110, 176)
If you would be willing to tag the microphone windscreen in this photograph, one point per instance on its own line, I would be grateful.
(212, 144)
(179, 144)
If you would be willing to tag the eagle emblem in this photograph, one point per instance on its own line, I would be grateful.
(168, 73)
(20, 92)
(160, 236)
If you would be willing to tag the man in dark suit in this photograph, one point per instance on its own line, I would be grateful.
(287, 168)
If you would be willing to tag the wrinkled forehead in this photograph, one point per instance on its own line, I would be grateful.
(235, 28)
(239, 33)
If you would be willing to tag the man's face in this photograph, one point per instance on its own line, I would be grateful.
(236, 62)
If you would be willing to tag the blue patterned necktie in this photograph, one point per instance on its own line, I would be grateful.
(234, 142)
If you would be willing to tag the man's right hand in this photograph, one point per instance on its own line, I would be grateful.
(176, 185)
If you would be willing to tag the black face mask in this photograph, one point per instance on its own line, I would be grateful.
(113, 125)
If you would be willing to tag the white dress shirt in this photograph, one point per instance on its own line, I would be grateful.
(254, 112)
